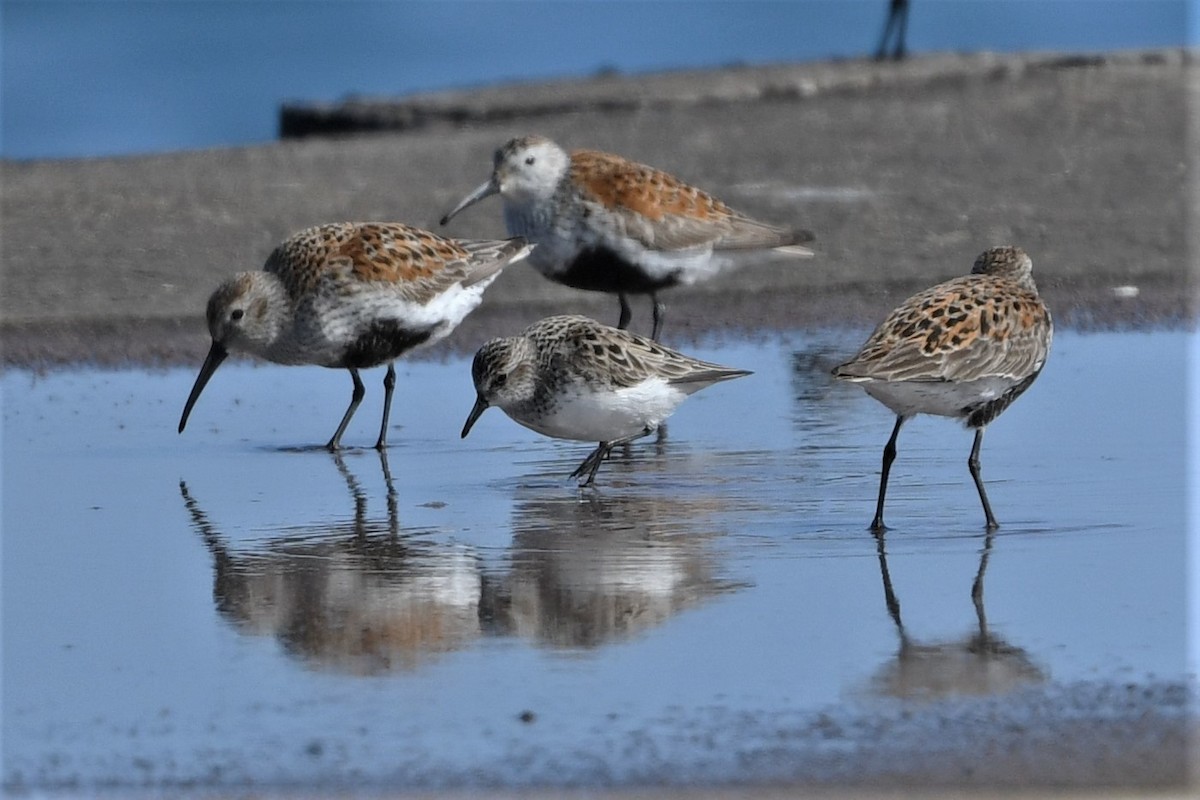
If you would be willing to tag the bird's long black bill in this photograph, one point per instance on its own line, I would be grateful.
(486, 190)
(480, 406)
(216, 354)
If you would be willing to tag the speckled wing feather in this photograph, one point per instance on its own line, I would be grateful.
(663, 213)
(608, 356)
(961, 330)
(489, 256)
(420, 265)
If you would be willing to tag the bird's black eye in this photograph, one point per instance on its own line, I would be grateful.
(501, 380)
(236, 314)
(529, 160)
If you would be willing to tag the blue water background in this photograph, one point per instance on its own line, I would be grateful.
(139, 654)
(100, 78)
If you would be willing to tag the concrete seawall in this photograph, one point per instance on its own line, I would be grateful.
(905, 172)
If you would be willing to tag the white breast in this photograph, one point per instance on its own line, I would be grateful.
(603, 416)
(941, 398)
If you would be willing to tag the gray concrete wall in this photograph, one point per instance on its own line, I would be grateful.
(904, 172)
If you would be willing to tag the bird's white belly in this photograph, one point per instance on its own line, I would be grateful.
(593, 416)
(444, 312)
(944, 399)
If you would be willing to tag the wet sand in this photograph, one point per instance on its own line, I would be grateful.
(905, 172)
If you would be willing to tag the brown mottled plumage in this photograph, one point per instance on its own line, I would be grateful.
(419, 265)
(618, 183)
(572, 378)
(965, 348)
(351, 295)
(604, 223)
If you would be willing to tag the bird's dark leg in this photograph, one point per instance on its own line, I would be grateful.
(900, 50)
(660, 312)
(389, 384)
(592, 463)
(881, 50)
(973, 465)
(889, 455)
(355, 398)
(897, 20)
(602, 452)
(626, 311)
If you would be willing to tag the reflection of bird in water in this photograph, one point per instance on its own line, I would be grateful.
(586, 572)
(980, 664)
(358, 596)
(816, 405)
(897, 23)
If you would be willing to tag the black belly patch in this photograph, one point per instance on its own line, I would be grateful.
(601, 270)
(980, 415)
(382, 342)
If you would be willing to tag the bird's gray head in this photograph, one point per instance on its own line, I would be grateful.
(505, 375)
(525, 170)
(1007, 261)
(529, 168)
(245, 313)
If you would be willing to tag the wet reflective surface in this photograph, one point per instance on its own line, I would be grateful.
(233, 607)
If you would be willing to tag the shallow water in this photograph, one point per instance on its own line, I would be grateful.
(231, 606)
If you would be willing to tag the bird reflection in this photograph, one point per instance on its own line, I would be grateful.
(357, 596)
(587, 571)
(979, 664)
(814, 391)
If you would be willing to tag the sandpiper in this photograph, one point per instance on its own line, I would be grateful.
(570, 377)
(604, 223)
(351, 295)
(965, 348)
